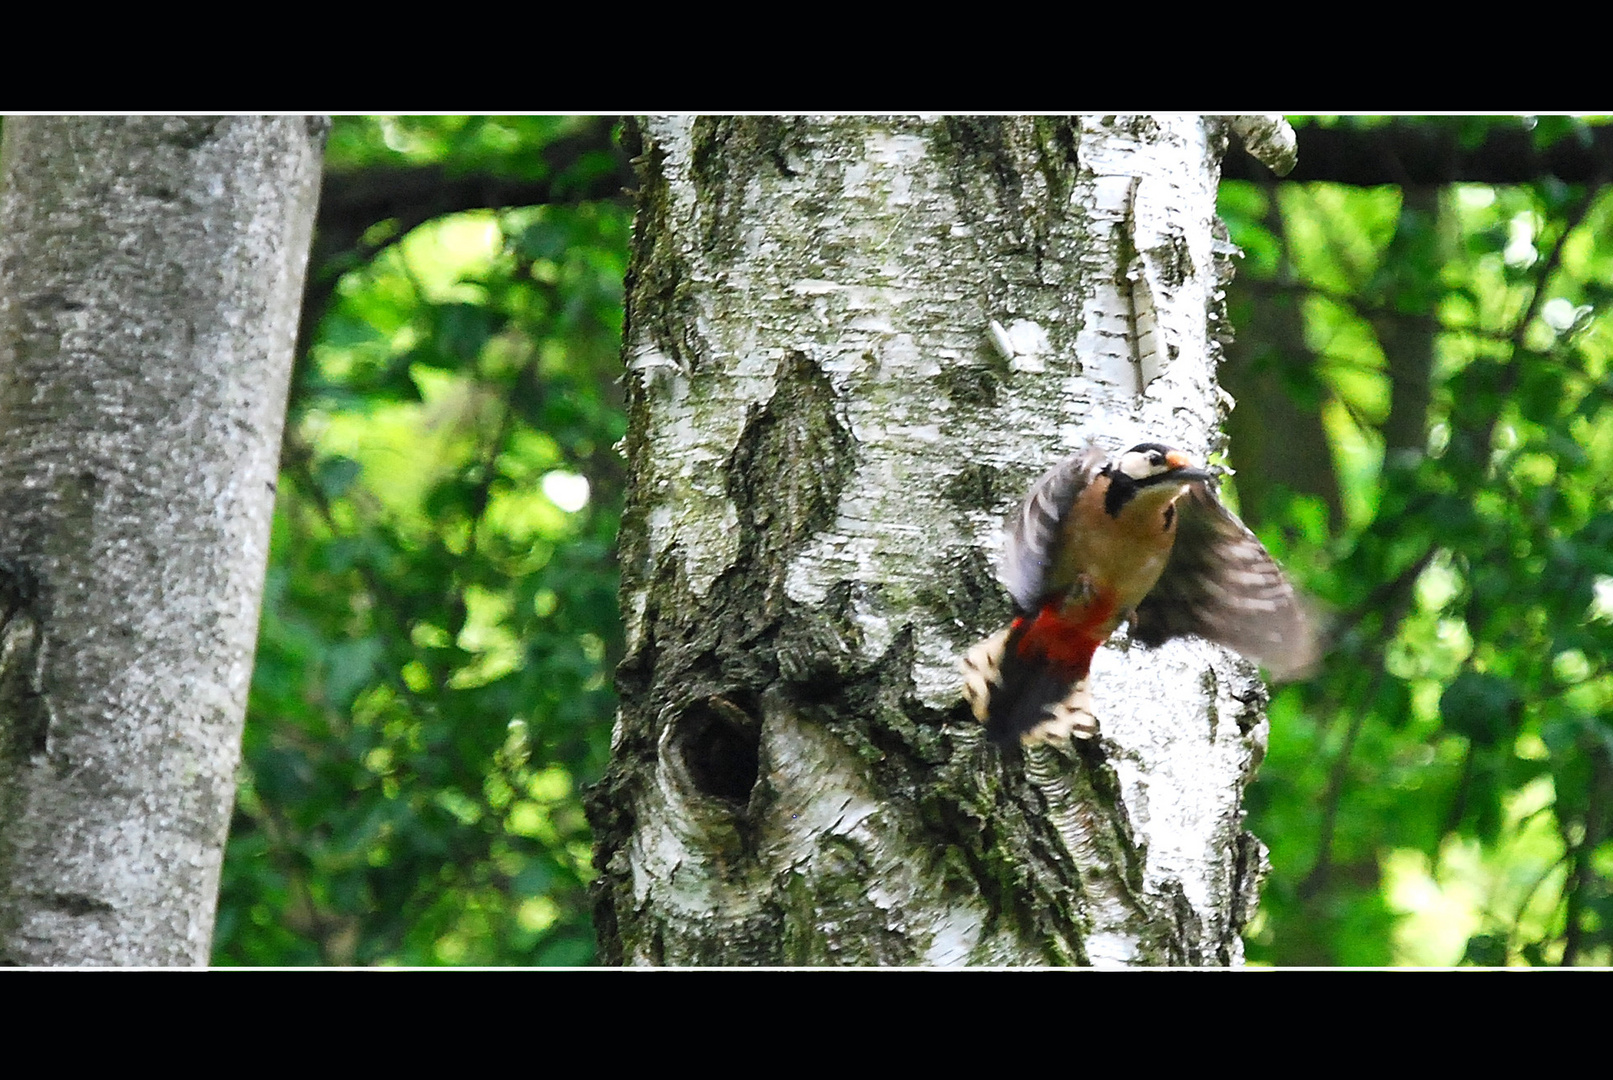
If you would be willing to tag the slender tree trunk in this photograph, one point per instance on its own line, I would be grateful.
(1278, 442)
(150, 274)
(851, 345)
(1405, 325)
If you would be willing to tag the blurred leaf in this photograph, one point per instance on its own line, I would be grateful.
(1479, 706)
(336, 475)
(1485, 950)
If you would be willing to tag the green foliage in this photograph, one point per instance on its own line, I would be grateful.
(509, 146)
(1443, 792)
(433, 674)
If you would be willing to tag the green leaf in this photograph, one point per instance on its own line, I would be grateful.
(1481, 706)
(1485, 950)
(349, 666)
(336, 475)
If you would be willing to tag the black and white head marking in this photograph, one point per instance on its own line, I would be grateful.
(1143, 466)
(1144, 461)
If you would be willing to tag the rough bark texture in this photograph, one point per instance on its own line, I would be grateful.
(851, 345)
(150, 273)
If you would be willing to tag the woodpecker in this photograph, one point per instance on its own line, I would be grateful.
(1142, 538)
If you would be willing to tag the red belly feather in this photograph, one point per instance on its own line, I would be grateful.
(1066, 638)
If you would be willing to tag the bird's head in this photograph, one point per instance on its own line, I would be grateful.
(1147, 476)
(1147, 464)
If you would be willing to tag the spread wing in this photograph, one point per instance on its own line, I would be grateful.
(1223, 585)
(1033, 532)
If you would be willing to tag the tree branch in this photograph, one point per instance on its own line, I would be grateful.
(352, 203)
(1422, 152)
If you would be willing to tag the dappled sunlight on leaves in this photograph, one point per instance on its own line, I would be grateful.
(432, 689)
(1448, 779)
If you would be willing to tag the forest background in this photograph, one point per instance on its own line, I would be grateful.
(1423, 436)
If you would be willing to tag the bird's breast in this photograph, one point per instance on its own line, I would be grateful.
(1121, 555)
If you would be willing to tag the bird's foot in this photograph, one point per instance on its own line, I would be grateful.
(1069, 718)
(982, 669)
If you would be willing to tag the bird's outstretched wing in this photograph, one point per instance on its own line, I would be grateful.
(1223, 585)
(1033, 532)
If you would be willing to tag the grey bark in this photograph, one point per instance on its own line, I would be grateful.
(851, 345)
(150, 274)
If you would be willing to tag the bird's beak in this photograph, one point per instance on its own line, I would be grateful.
(1182, 467)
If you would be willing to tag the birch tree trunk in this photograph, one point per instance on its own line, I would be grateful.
(150, 276)
(851, 346)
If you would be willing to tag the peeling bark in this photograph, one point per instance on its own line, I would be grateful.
(851, 345)
(150, 273)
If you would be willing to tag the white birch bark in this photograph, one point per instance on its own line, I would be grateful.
(150, 278)
(852, 344)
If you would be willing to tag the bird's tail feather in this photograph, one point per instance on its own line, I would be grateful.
(1024, 698)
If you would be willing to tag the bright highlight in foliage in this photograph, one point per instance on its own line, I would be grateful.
(566, 490)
